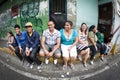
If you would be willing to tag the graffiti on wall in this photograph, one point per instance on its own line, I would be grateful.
(71, 7)
(28, 13)
(43, 8)
(35, 12)
(71, 10)
(5, 21)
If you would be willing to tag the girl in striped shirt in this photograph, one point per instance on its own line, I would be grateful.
(82, 45)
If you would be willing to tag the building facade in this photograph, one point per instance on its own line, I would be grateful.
(39, 12)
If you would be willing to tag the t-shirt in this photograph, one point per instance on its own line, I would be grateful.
(100, 37)
(91, 34)
(68, 41)
(51, 39)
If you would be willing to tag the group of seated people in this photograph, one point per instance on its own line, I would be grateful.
(66, 43)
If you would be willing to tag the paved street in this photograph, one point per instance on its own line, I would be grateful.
(8, 74)
(111, 74)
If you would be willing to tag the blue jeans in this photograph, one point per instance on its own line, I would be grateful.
(93, 50)
(106, 49)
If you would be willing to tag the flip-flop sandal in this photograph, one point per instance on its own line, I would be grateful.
(72, 66)
(64, 67)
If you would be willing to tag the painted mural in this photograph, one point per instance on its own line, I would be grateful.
(35, 12)
(5, 22)
(71, 11)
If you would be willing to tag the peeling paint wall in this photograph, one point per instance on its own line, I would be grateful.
(71, 11)
(116, 38)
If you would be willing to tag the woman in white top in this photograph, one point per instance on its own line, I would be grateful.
(82, 45)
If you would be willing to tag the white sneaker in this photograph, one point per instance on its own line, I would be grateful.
(31, 65)
(38, 67)
(55, 61)
(91, 62)
(46, 61)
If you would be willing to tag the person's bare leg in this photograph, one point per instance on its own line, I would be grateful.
(41, 54)
(80, 55)
(11, 48)
(58, 55)
(72, 59)
(102, 57)
(87, 52)
(65, 62)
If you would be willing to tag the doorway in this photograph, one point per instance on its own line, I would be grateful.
(105, 17)
(58, 12)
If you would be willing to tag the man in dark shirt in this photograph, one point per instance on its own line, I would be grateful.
(32, 45)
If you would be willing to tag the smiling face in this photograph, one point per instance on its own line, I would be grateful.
(67, 26)
(29, 29)
(51, 25)
(84, 27)
(17, 30)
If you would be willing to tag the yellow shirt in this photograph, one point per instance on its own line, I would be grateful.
(30, 34)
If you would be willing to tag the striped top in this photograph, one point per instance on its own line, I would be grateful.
(83, 37)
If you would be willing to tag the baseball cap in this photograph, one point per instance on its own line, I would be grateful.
(28, 24)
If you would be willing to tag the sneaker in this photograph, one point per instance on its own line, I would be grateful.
(31, 65)
(46, 61)
(91, 62)
(38, 67)
(55, 61)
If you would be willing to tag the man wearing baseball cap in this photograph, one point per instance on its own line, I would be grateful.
(32, 45)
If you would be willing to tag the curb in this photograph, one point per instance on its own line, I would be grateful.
(84, 76)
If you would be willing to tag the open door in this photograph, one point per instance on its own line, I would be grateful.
(58, 12)
(105, 17)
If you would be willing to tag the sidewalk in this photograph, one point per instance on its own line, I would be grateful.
(55, 72)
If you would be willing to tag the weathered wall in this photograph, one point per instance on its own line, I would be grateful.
(71, 11)
(33, 11)
(116, 38)
(87, 11)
